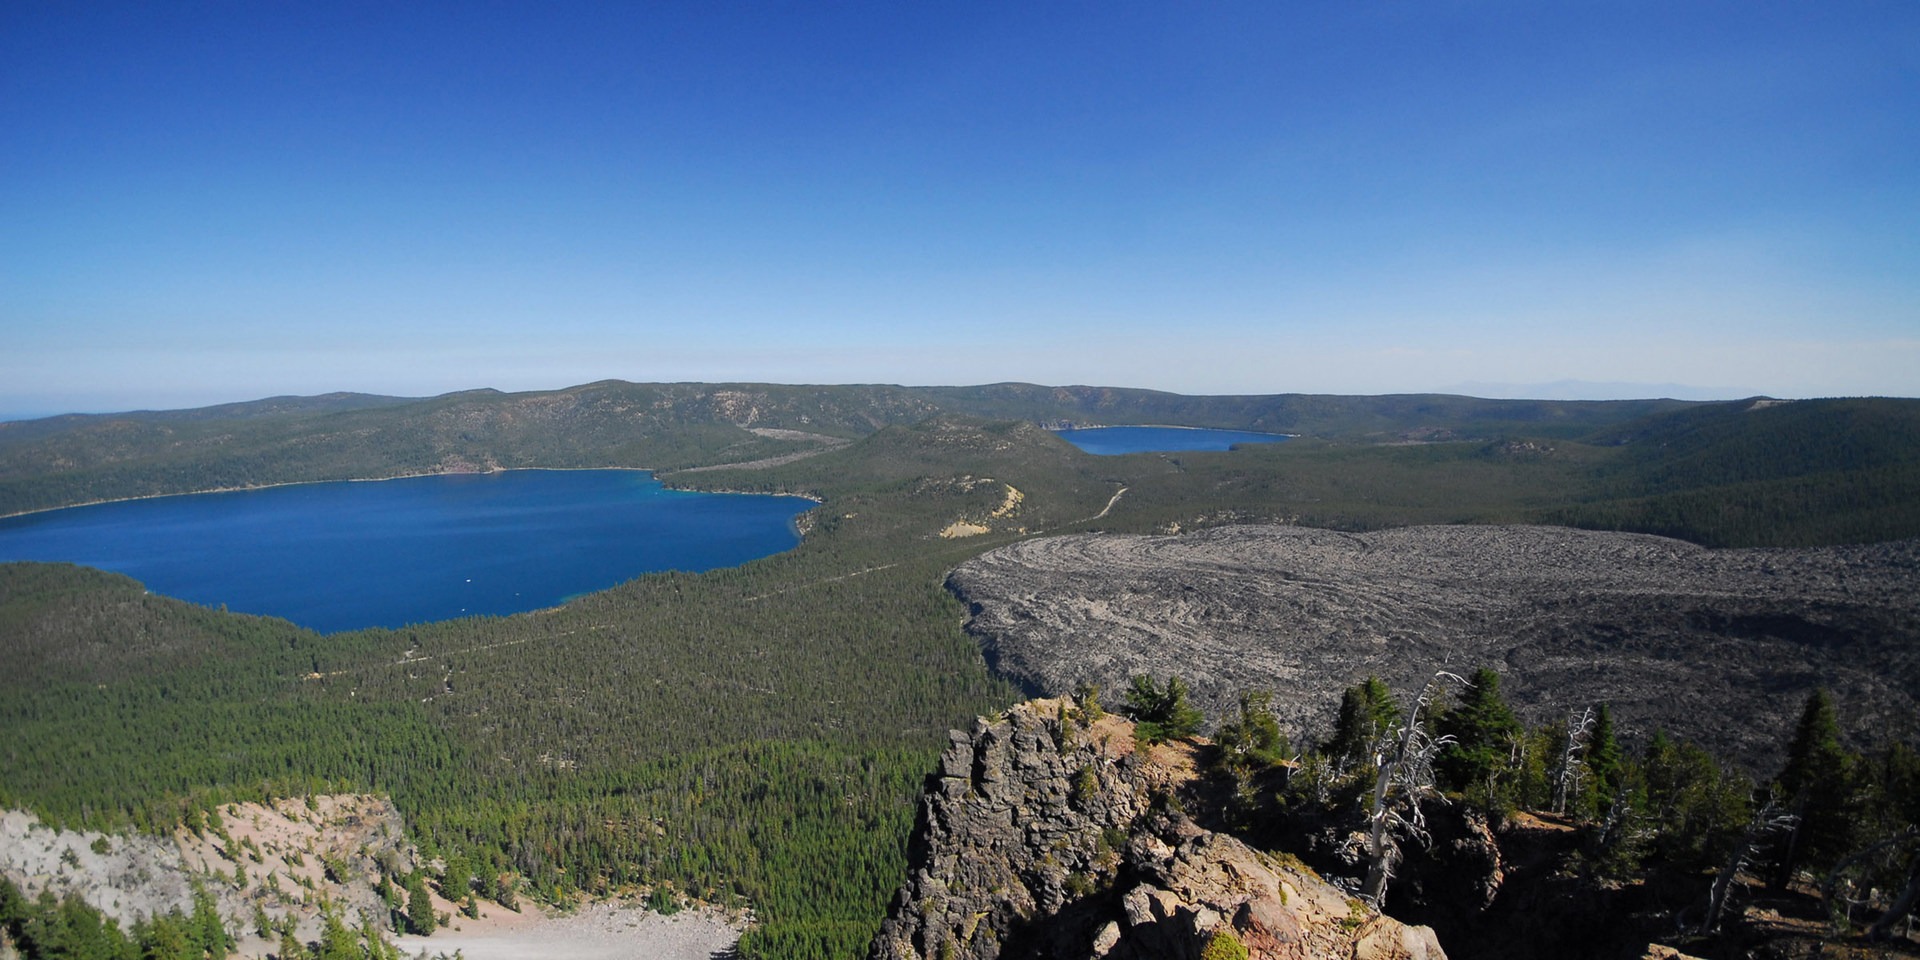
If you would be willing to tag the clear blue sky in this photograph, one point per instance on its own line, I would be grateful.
(202, 202)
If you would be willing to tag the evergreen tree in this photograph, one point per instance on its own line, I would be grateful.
(1483, 728)
(1087, 697)
(1818, 782)
(456, 878)
(421, 919)
(13, 909)
(1251, 738)
(1695, 808)
(1900, 785)
(1605, 760)
(1249, 742)
(290, 946)
(167, 938)
(1815, 753)
(1367, 712)
(374, 942)
(336, 941)
(209, 932)
(1161, 714)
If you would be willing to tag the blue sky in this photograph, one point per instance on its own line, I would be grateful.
(203, 202)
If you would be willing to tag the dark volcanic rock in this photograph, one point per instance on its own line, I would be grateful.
(1040, 837)
(1718, 646)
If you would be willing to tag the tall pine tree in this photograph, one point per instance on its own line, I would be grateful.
(1483, 728)
(1818, 784)
(1606, 764)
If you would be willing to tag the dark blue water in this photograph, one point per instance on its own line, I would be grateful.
(1108, 441)
(339, 556)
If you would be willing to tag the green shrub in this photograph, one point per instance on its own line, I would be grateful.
(1224, 946)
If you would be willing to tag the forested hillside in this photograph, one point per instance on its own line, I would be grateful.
(75, 459)
(758, 733)
(1761, 474)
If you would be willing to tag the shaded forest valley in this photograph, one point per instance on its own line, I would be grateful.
(759, 736)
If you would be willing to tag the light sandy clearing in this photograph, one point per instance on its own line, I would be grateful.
(598, 932)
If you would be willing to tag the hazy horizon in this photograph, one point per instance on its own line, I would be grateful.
(1561, 390)
(205, 203)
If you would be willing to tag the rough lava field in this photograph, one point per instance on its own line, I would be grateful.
(1718, 646)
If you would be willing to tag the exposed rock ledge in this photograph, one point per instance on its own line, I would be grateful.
(1042, 837)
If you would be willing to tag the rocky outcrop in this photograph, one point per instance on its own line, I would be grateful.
(1718, 646)
(285, 859)
(1044, 835)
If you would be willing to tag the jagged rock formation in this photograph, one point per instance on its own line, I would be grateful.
(1043, 836)
(1718, 646)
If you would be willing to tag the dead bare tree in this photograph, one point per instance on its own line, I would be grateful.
(1769, 821)
(1838, 887)
(1405, 779)
(1902, 906)
(1570, 770)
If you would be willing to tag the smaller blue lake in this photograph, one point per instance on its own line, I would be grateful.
(340, 556)
(1110, 441)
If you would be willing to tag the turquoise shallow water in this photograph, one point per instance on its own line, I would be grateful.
(1110, 441)
(340, 556)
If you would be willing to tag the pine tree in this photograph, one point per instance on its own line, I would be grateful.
(1252, 738)
(1482, 726)
(1161, 714)
(1605, 761)
(1818, 782)
(208, 930)
(336, 941)
(1367, 712)
(290, 946)
(456, 878)
(1815, 752)
(420, 916)
(166, 938)
(13, 908)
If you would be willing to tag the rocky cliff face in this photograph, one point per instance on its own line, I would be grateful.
(1044, 835)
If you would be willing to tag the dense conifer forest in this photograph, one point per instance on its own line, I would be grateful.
(758, 735)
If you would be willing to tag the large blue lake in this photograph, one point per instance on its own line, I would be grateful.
(1109, 441)
(339, 556)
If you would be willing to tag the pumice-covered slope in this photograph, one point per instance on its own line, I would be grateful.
(1046, 836)
(1718, 646)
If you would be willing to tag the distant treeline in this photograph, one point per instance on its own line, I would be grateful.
(81, 458)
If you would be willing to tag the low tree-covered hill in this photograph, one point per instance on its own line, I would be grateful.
(1392, 417)
(1760, 473)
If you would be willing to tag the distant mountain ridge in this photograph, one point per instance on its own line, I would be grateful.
(80, 458)
(1597, 390)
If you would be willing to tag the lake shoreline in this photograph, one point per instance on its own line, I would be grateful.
(1169, 426)
(444, 546)
(398, 476)
(1163, 439)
